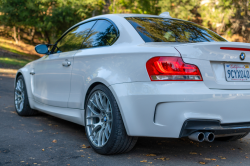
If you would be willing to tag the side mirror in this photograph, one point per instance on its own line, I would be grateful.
(42, 49)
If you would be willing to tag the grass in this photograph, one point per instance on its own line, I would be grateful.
(8, 48)
(14, 61)
(15, 56)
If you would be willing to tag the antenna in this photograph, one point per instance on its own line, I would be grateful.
(165, 14)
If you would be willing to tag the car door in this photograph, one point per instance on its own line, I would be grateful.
(52, 73)
(103, 34)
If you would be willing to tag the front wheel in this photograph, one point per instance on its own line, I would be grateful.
(104, 125)
(21, 98)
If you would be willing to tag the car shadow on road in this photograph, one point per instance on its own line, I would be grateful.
(170, 150)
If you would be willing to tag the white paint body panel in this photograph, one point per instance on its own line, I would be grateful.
(210, 60)
(160, 108)
(155, 109)
(52, 79)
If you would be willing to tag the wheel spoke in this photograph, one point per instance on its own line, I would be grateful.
(101, 100)
(100, 137)
(94, 116)
(107, 109)
(18, 104)
(106, 131)
(21, 105)
(98, 103)
(96, 136)
(103, 137)
(109, 129)
(17, 94)
(19, 101)
(18, 86)
(21, 84)
(93, 111)
(97, 126)
(93, 103)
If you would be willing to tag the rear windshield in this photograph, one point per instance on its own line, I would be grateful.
(170, 30)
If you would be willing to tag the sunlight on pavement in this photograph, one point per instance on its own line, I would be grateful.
(8, 72)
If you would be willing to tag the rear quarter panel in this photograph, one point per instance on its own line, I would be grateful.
(111, 65)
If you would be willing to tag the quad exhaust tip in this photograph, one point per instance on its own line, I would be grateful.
(200, 136)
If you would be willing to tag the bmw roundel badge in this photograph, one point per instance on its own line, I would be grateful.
(242, 56)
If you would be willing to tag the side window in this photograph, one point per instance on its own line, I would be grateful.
(102, 34)
(74, 38)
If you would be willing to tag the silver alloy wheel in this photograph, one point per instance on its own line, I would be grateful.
(99, 118)
(19, 95)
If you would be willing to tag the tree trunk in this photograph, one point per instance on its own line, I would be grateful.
(33, 35)
(93, 13)
(106, 7)
(47, 36)
(14, 34)
(19, 36)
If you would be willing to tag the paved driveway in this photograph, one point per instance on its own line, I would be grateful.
(46, 140)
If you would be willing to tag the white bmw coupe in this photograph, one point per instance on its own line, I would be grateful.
(127, 75)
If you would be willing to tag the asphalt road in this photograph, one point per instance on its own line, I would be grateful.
(29, 141)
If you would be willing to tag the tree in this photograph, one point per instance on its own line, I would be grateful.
(134, 6)
(49, 17)
(12, 14)
(182, 9)
(230, 16)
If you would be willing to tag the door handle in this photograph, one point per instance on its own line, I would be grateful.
(32, 73)
(66, 63)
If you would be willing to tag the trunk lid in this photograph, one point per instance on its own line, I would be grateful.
(212, 59)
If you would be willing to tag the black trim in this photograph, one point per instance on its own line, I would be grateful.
(192, 125)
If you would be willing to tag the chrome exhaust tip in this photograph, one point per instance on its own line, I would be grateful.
(209, 137)
(197, 136)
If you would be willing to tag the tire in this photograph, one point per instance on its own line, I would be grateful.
(111, 136)
(21, 101)
(231, 138)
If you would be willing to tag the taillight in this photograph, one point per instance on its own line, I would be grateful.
(172, 69)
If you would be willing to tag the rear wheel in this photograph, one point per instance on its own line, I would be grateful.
(231, 138)
(103, 123)
(21, 98)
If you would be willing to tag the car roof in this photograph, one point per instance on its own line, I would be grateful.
(112, 17)
(136, 15)
(124, 15)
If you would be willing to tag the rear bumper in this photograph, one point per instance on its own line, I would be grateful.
(160, 109)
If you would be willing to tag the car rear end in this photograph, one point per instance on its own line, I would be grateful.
(205, 90)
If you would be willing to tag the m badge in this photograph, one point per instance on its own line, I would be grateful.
(242, 56)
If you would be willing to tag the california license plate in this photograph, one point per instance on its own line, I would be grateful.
(237, 72)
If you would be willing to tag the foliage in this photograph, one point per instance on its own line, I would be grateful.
(134, 6)
(182, 9)
(14, 61)
(230, 16)
(48, 19)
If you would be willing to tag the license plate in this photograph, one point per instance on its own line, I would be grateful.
(237, 72)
